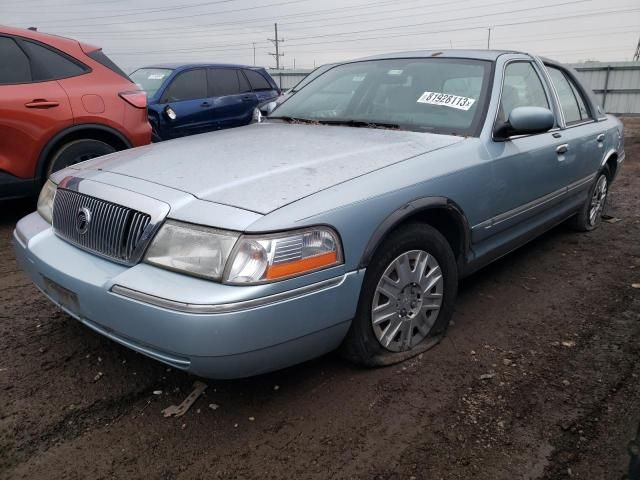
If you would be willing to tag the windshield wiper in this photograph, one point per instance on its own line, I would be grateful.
(294, 119)
(360, 124)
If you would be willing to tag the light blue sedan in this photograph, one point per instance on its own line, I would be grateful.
(344, 220)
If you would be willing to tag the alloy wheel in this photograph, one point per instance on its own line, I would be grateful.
(407, 300)
(598, 200)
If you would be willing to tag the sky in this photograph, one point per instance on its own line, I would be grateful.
(144, 32)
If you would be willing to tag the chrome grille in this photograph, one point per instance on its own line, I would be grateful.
(112, 230)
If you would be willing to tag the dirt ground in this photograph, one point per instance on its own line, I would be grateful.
(538, 378)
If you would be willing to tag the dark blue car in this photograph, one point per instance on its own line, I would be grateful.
(185, 99)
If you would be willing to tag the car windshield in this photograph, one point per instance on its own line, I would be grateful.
(150, 79)
(309, 78)
(419, 94)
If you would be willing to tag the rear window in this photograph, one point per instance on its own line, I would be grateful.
(150, 79)
(223, 81)
(257, 81)
(47, 64)
(102, 59)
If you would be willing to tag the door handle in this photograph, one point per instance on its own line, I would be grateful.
(41, 103)
(247, 97)
(205, 104)
(600, 138)
(562, 149)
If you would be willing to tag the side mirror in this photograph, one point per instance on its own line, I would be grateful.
(169, 112)
(526, 121)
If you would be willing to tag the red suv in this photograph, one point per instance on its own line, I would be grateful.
(61, 102)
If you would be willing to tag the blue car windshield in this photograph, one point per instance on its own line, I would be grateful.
(150, 79)
(420, 94)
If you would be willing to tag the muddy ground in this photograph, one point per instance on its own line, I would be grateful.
(538, 378)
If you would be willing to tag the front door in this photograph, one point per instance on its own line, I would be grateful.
(527, 171)
(185, 108)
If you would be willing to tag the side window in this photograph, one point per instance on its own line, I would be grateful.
(244, 84)
(14, 67)
(522, 88)
(47, 64)
(223, 81)
(257, 81)
(189, 85)
(572, 103)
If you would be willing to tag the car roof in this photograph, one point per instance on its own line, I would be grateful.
(56, 41)
(181, 66)
(448, 53)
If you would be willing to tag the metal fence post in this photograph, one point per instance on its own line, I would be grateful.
(606, 87)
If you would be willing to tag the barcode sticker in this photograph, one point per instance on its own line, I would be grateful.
(446, 100)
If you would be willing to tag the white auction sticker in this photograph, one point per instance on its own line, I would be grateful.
(156, 76)
(446, 100)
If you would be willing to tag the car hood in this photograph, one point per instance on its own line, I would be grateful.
(265, 166)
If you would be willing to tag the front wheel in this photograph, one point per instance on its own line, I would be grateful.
(407, 298)
(590, 215)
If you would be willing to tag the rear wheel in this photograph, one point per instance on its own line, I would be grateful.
(77, 151)
(590, 215)
(407, 298)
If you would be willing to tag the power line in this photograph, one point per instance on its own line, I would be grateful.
(84, 3)
(422, 24)
(207, 26)
(478, 27)
(461, 28)
(448, 4)
(144, 12)
(147, 20)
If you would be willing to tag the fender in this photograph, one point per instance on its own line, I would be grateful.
(409, 209)
(608, 155)
(44, 154)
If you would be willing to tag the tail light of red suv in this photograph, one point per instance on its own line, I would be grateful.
(137, 98)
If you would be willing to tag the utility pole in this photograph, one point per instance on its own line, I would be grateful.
(254, 53)
(636, 57)
(277, 43)
(489, 40)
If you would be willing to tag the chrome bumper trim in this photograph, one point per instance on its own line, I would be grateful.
(201, 309)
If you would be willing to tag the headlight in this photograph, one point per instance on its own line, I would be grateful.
(265, 258)
(193, 249)
(45, 200)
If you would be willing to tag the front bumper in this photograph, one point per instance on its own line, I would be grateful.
(209, 329)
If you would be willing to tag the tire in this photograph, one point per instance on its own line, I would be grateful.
(421, 325)
(77, 151)
(590, 214)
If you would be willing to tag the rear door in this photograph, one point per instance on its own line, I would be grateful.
(261, 86)
(232, 98)
(186, 96)
(583, 138)
(33, 107)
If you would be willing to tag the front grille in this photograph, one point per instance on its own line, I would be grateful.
(110, 230)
